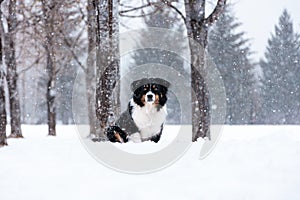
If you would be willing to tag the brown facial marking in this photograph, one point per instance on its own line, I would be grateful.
(144, 99)
(156, 99)
(146, 87)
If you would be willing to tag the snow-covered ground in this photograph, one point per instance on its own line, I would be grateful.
(249, 162)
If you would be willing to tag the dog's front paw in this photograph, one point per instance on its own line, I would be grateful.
(116, 134)
(135, 137)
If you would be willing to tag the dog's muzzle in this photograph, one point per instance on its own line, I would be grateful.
(149, 97)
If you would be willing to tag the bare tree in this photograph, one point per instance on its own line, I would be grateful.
(91, 68)
(107, 62)
(12, 76)
(50, 48)
(197, 28)
(3, 121)
(50, 9)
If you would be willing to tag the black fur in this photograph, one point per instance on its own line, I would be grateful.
(130, 107)
(113, 130)
(156, 138)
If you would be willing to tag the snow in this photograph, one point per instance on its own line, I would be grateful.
(148, 146)
(249, 162)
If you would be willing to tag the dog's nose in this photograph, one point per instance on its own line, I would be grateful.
(149, 96)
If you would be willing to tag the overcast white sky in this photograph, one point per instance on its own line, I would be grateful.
(260, 16)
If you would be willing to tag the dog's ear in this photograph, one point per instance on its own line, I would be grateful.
(133, 85)
(162, 82)
(138, 83)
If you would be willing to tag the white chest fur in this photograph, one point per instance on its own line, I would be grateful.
(148, 119)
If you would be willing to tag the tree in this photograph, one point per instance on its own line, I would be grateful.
(90, 72)
(280, 74)
(108, 64)
(2, 109)
(231, 54)
(32, 50)
(50, 13)
(197, 29)
(30, 57)
(12, 76)
(61, 49)
(3, 121)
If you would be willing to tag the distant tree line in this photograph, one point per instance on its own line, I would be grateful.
(267, 92)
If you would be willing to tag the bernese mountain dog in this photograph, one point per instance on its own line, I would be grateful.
(146, 113)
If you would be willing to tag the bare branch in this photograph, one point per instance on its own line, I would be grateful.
(169, 4)
(70, 48)
(157, 5)
(30, 66)
(136, 8)
(216, 12)
(83, 15)
(141, 15)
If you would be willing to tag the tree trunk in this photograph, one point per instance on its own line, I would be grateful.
(197, 29)
(3, 120)
(12, 76)
(91, 68)
(49, 14)
(107, 62)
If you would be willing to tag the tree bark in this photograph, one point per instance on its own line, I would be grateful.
(3, 120)
(107, 62)
(197, 29)
(91, 68)
(12, 76)
(49, 14)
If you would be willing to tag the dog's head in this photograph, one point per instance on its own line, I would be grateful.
(150, 91)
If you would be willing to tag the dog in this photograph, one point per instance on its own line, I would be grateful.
(146, 113)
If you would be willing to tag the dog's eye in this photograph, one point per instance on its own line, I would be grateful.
(155, 89)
